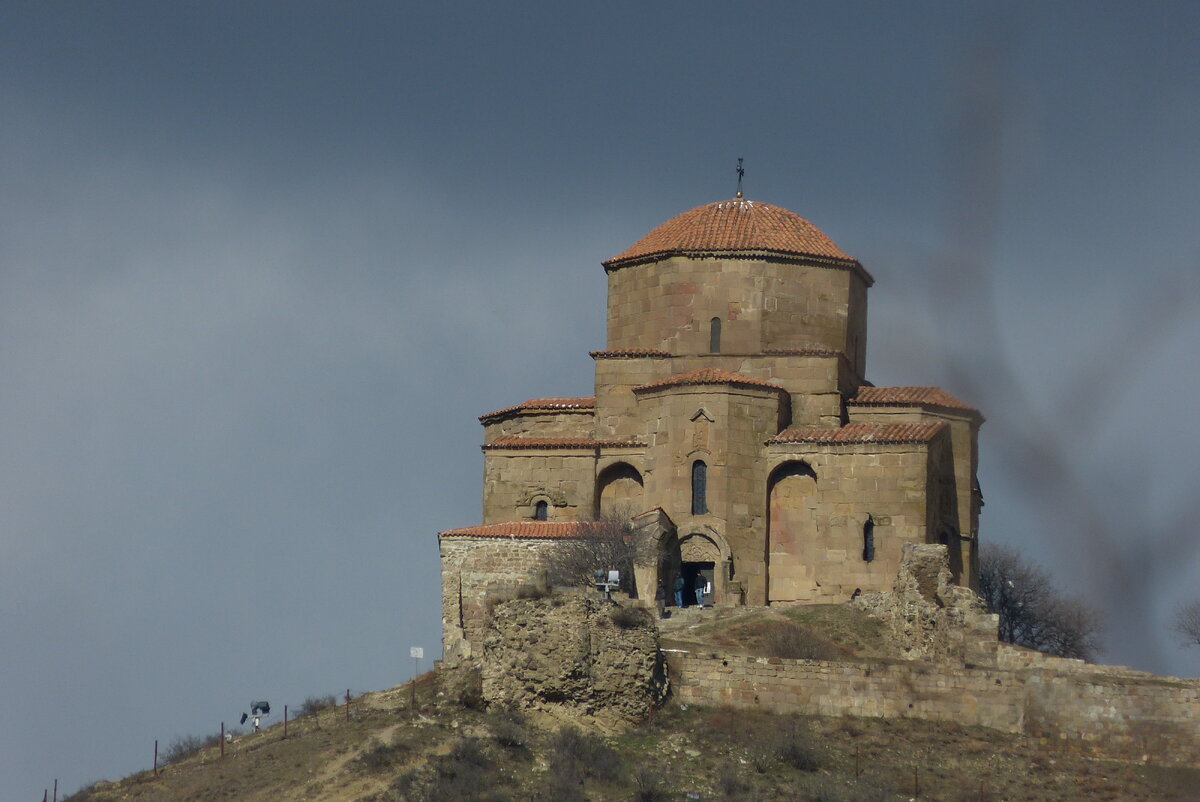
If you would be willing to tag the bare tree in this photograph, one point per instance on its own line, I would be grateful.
(610, 542)
(1187, 623)
(1037, 428)
(1032, 611)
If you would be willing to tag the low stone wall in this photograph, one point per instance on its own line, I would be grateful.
(817, 687)
(1106, 712)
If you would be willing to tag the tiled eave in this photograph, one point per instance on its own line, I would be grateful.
(860, 434)
(631, 353)
(814, 351)
(853, 265)
(709, 376)
(518, 442)
(533, 530)
(576, 404)
(933, 399)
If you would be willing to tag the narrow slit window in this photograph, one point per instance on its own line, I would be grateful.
(541, 511)
(699, 488)
(714, 336)
(869, 540)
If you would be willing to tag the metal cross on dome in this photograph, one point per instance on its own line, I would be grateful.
(741, 172)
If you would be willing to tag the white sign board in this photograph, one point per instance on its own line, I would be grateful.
(416, 652)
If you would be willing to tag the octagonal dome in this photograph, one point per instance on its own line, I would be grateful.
(732, 226)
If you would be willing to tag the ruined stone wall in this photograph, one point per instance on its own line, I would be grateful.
(926, 616)
(573, 653)
(475, 569)
(1109, 713)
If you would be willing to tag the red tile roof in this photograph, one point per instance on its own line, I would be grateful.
(708, 376)
(519, 441)
(883, 433)
(732, 225)
(572, 404)
(630, 353)
(932, 397)
(542, 530)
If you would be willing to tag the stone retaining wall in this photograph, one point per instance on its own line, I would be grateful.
(1106, 712)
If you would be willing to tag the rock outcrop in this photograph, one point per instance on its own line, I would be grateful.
(573, 654)
(928, 617)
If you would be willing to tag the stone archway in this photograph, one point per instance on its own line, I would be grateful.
(699, 562)
(792, 550)
(619, 490)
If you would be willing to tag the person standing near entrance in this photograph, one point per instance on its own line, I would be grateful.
(679, 590)
(703, 588)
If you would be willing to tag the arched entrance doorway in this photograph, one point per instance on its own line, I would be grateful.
(699, 557)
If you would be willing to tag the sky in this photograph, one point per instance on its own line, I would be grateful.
(262, 265)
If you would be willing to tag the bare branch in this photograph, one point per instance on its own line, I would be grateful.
(608, 543)
(1032, 612)
(1187, 623)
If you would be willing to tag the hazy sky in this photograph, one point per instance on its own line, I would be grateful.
(263, 264)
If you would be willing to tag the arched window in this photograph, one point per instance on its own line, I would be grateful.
(541, 511)
(699, 488)
(869, 540)
(714, 336)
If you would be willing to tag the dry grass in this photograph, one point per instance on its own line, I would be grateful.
(387, 752)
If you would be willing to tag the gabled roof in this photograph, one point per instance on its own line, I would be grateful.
(564, 404)
(709, 376)
(925, 397)
(520, 441)
(548, 530)
(851, 433)
(731, 226)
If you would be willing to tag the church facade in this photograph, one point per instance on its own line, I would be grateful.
(733, 421)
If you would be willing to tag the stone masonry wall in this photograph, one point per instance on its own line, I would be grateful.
(763, 304)
(575, 654)
(514, 479)
(958, 671)
(474, 569)
(1104, 713)
(816, 532)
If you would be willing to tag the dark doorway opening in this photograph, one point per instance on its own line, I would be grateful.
(697, 575)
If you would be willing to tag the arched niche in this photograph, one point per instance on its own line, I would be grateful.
(619, 490)
(792, 490)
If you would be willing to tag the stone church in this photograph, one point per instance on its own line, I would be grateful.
(733, 420)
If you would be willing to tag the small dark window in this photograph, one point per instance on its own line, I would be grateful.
(714, 336)
(869, 540)
(699, 488)
(541, 511)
